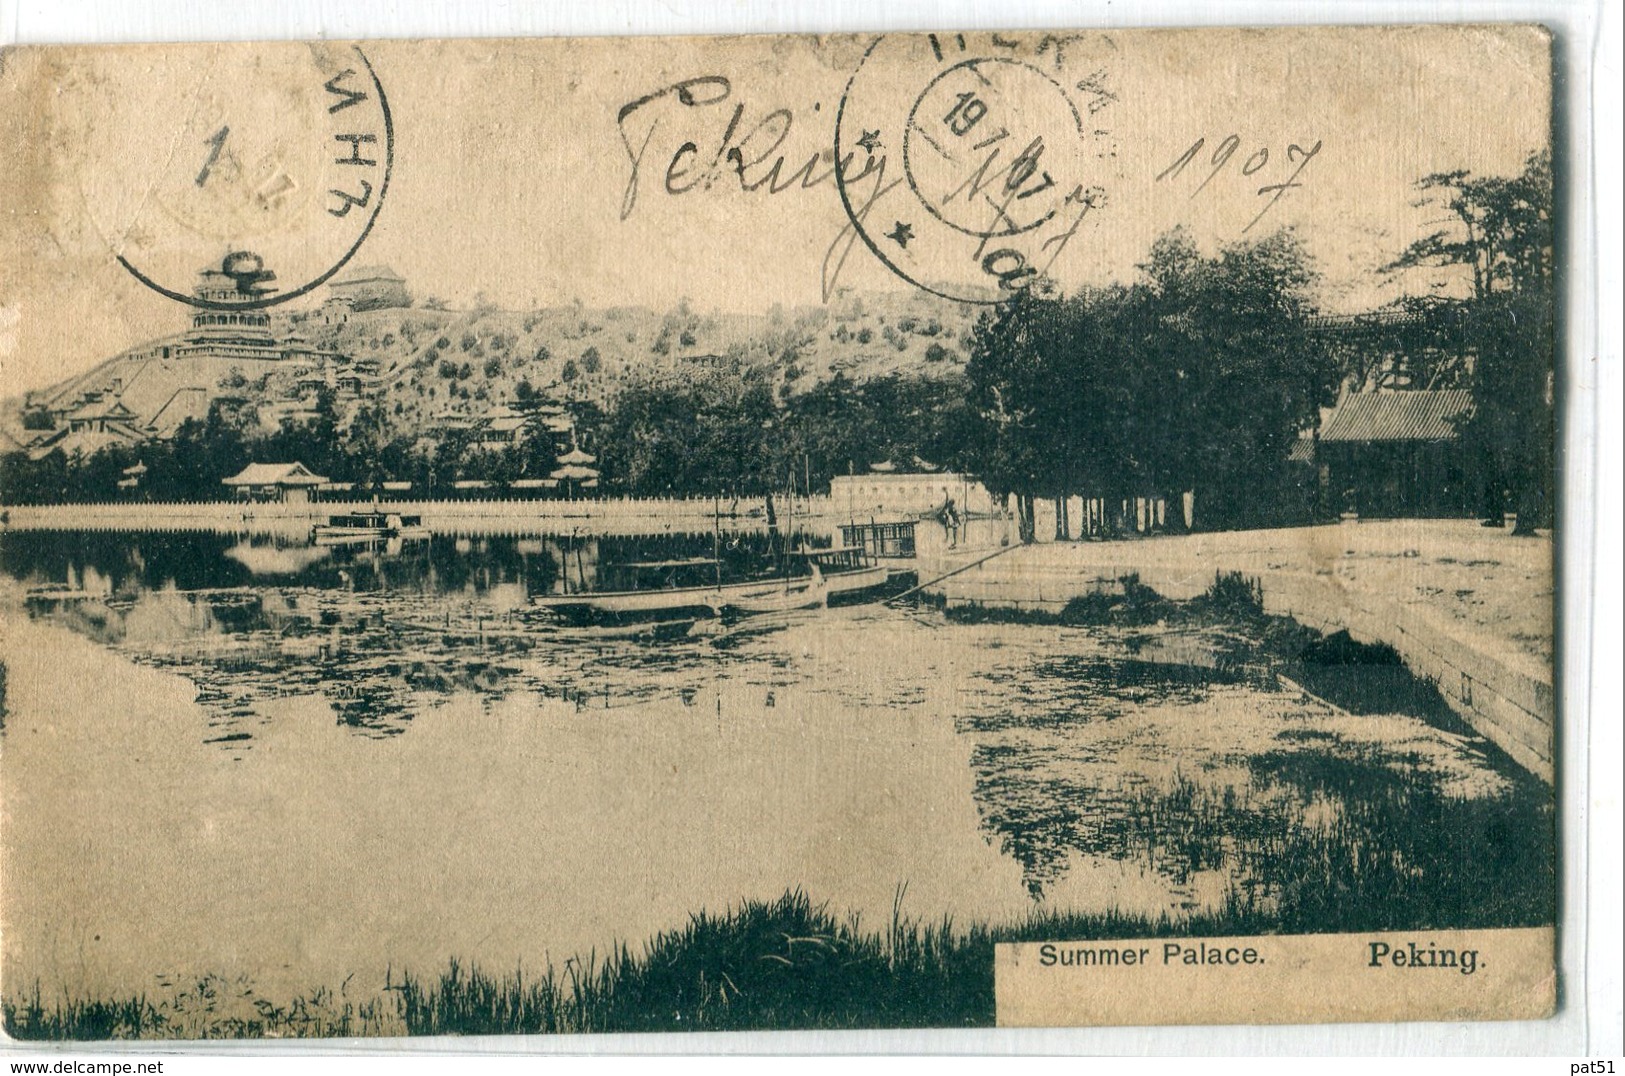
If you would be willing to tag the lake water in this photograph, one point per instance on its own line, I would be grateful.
(258, 758)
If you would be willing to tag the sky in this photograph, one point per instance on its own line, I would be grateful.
(513, 160)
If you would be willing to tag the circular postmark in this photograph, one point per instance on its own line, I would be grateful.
(267, 163)
(999, 162)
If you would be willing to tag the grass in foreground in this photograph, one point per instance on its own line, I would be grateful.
(792, 964)
(209, 1008)
(787, 963)
(767, 965)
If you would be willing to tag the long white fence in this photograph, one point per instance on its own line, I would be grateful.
(642, 515)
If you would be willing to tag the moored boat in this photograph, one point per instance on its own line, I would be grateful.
(847, 571)
(367, 527)
(657, 588)
(779, 595)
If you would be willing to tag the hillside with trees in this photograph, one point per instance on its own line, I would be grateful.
(1189, 384)
(436, 361)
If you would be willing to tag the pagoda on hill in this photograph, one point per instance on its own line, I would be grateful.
(241, 277)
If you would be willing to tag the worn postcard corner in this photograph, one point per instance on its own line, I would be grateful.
(868, 531)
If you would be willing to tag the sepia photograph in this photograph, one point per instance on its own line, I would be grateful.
(780, 532)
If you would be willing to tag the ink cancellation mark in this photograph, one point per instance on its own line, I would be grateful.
(999, 163)
(291, 167)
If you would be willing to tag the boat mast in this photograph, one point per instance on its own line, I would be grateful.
(716, 545)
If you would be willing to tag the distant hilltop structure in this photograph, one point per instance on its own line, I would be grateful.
(370, 287)
(279, 369)
(235, 334)
(149, 391)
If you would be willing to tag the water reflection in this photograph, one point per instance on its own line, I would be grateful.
(111, 564)
(845, 750)
(378, 630)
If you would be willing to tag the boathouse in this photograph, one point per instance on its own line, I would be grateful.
(289, 483)
(1396, 453)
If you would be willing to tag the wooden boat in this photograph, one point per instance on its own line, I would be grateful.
(656, 589)
(367, 527)
(847, 571)
(659, 602)
(659, 594)
(779, 595)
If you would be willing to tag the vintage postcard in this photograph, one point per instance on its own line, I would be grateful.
(864, 531)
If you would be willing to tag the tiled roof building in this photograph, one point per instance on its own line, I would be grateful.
(371, 287)
(1371, 417)
(1396, 453)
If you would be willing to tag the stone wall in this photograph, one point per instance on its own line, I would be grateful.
(1505, 697)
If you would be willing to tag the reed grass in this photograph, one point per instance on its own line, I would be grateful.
(774, 965)
(1397, 855)
(211, 1007)
(1384, 848)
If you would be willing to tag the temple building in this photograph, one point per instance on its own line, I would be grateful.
(1396, 454)
(150, 391)
(371, 287)
(236, 334)
(501, 426)
(217, 333)
(243, 333)
(87, 429)
(290, 483)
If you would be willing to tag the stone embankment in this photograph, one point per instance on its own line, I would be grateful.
(1468, 608)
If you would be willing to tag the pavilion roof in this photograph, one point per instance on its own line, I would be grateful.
(275, 474)
(1408, 415)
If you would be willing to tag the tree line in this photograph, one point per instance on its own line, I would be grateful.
(1190, 383)
(1196, 377)
(1500, 232)
(1193, 379)
(732, 431)
(367, 450)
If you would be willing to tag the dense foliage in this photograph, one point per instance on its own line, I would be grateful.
(1498, 231)
(367, 451)
(726, 433)
(1196, 377)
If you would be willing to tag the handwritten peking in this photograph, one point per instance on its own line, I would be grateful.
(750, 152)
